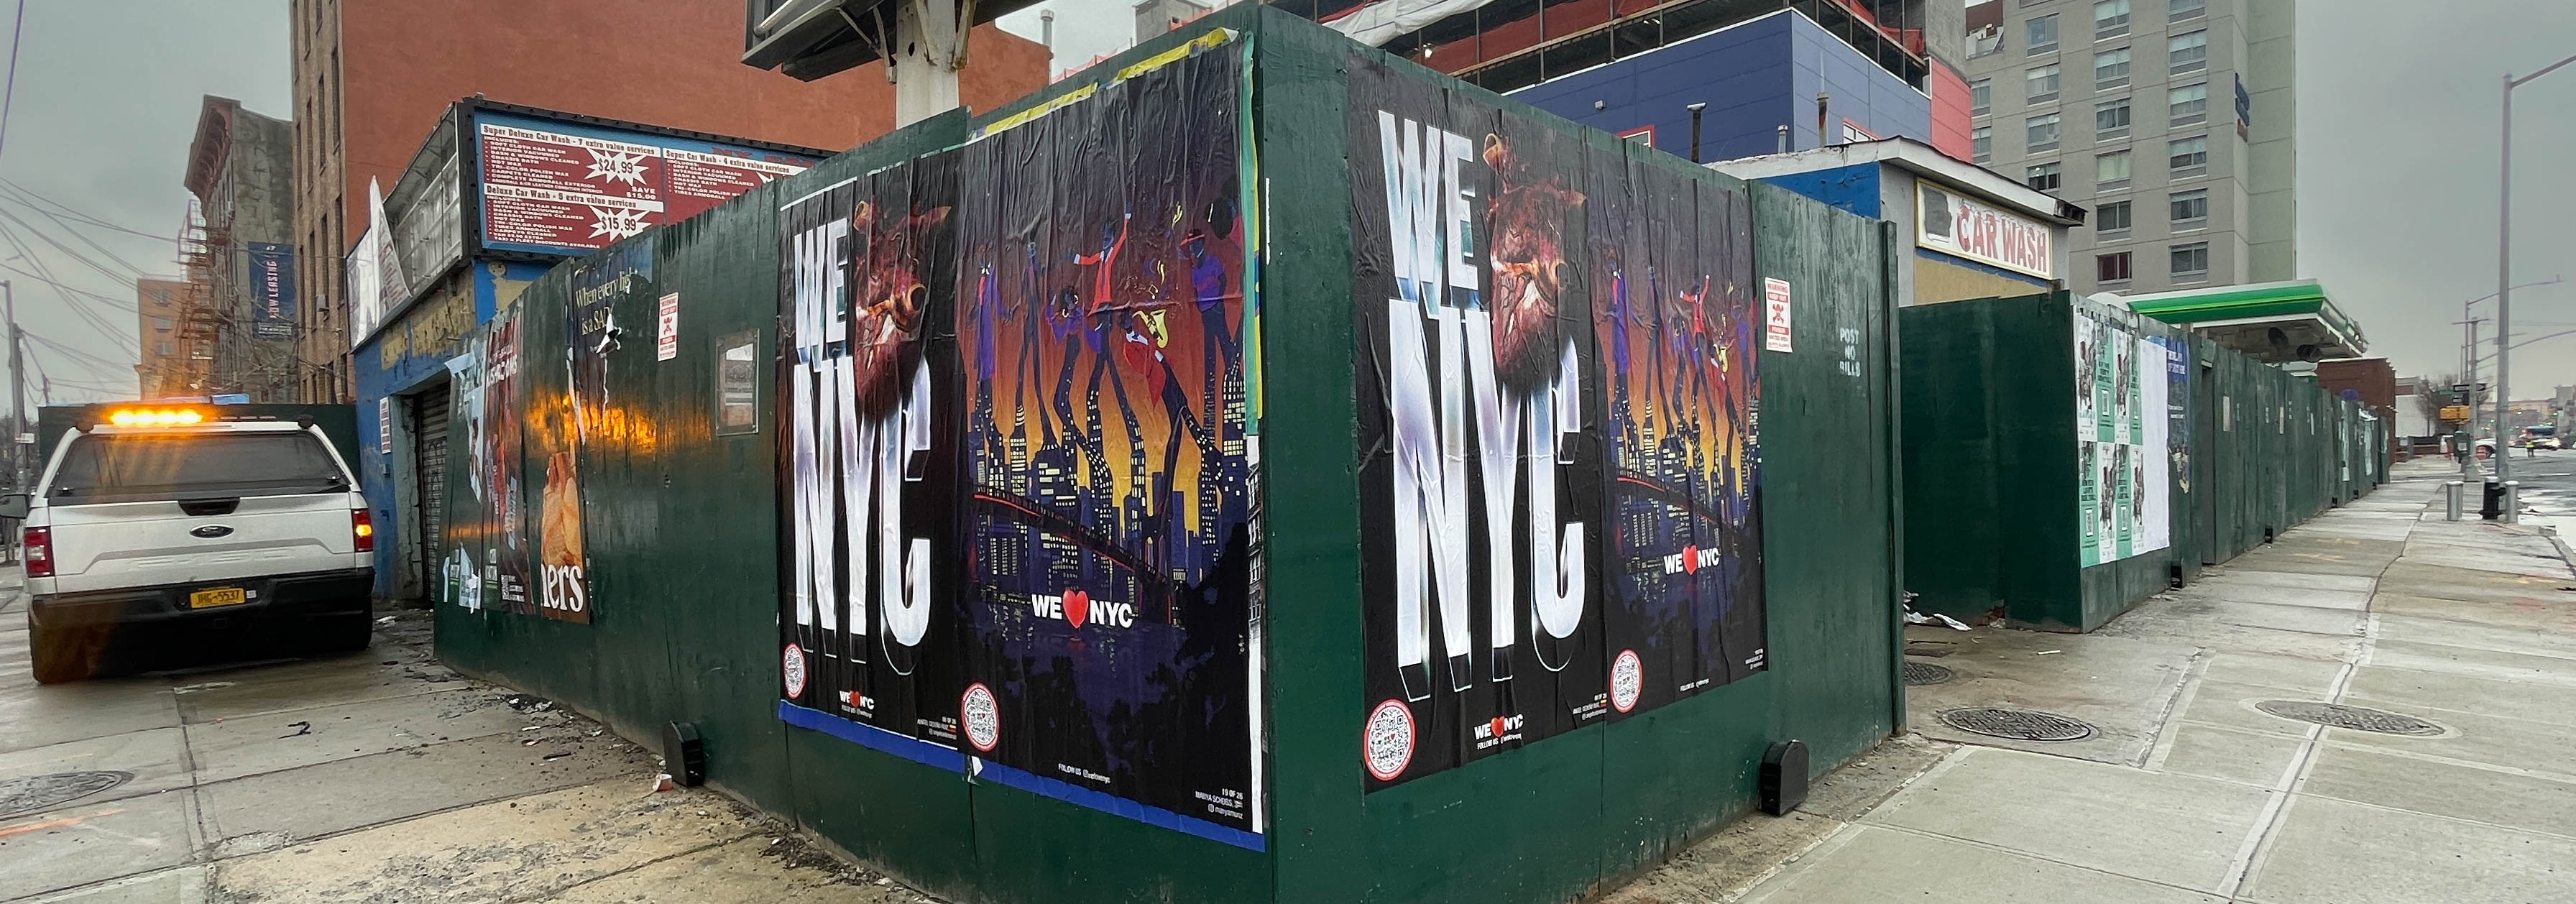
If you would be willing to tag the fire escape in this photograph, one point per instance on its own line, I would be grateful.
(203, 247)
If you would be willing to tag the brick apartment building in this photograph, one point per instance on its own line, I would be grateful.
(371, 79)
(156, 335)
(236, 327)
(2373, 382)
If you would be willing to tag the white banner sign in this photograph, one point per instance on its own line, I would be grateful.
(1960, 226)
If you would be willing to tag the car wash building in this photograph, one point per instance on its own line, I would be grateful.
(496, 195)
(1973, 232)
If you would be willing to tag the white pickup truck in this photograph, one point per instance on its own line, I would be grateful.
(176, 519)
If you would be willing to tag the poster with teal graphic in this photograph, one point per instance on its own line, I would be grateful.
(2123, 402)
(2088, 481)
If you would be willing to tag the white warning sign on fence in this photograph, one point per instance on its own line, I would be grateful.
(1775, 314)
(667, 345)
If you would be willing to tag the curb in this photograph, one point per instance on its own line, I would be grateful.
(2566, 556)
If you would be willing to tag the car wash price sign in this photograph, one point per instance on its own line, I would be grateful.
(563, 188)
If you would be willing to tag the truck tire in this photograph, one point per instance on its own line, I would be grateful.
(349, 634)
(61, 654)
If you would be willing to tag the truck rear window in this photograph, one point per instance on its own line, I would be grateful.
(196, 466)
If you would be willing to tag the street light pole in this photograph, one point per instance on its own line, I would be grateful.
(17, 391)
(2504, 292)
(2469, 357)
(2468, 436)
(2504, 267)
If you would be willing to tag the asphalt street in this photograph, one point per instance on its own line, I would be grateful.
(2548, 487)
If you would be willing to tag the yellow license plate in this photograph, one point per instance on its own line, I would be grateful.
(220, 596)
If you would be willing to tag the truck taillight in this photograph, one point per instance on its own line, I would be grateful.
(40, 552)
(362, 528)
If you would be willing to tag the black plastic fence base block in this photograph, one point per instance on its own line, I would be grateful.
(1784, 777)
(683, 755)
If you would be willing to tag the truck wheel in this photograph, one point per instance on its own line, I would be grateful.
(61, 654)
(346, 635)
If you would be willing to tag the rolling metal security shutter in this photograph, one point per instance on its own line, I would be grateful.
(429, 438)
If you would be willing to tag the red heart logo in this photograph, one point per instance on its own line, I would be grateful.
(1498, 726)
(1690, 559)
(1077, 607)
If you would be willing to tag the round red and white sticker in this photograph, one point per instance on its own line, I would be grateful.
(791, 666)
(982, 717)
(1386, 743)
(1627, 678)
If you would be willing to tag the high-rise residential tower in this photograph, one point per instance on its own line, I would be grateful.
(2174, 121)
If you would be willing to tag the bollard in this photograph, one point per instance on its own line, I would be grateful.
(2512, 501)
(2451, 495)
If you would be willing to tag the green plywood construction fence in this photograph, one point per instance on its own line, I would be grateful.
(1995, 509)
(682, 538)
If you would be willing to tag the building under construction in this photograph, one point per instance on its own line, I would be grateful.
(1506, 45)
(236, 315)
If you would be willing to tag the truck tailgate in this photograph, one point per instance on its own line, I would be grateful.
(130, 544)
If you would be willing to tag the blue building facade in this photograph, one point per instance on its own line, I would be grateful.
(406, 358)
(495, 197)
(1755, 77)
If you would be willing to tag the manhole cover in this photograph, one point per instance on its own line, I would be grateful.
(2356, 718)
(25, 795)
(1918, 674)
(2017, 724)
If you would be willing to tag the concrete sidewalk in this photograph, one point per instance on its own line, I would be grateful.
(2187, 789)
(373, 777)
(385, 777)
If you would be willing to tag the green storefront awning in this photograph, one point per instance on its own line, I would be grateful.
(2272, 322)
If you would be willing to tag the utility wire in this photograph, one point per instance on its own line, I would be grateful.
(109, 300)
(84, 238)
(81, 311)
(130, 273)
(75, 353)
(75, 213)
(9, 92)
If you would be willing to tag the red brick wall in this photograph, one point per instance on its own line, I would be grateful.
(2376, 383)
(673, 63)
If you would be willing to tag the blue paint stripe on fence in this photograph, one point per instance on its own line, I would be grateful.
(872, 737)
(930, 754)
(1118, 806)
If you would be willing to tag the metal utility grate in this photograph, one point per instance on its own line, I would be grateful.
(2337, 715)
(2017, 724)
(28, 795)
(1918, 674)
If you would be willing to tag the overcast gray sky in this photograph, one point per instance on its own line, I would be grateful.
(2397, 156)
(104, 107)
(2398, 103)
